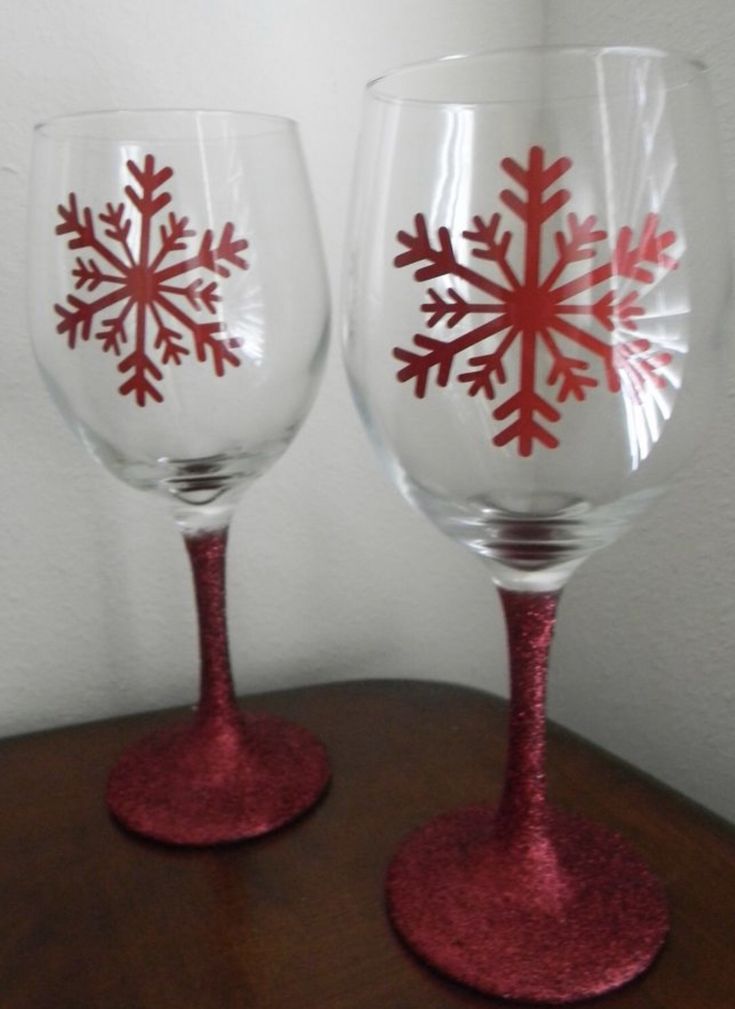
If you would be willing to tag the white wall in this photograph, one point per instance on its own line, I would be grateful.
(331, 575)
(644, 658)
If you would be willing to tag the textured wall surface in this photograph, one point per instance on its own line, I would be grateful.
(331, 575)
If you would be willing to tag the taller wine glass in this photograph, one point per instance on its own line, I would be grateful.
(537, 277)
(179, 316)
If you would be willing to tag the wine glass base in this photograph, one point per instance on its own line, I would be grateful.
(578, 918)
(213, 782)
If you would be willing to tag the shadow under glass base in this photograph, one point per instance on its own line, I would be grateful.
(219, 780)
(574, 917)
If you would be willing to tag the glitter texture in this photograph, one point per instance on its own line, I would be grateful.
(226, 775)
(523, 901)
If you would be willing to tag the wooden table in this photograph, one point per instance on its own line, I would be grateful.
(92, 918)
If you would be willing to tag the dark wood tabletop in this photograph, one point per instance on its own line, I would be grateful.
(93, 918)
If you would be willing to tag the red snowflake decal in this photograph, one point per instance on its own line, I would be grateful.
(139, 304)
(542, 317)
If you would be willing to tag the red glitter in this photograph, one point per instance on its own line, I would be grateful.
(580, 916)
(218, 780)
(523, 901)
(226, 775)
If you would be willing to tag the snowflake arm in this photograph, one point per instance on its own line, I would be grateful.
(529, 409)
(578, 246)
(638, 367)
(440, 354)
(535, 206)
(212, 257)
(488, 368)
(593, 346)
(173, 238)
(118, 228)
(89, 275)
(567, 372)
(440, 259)
(491, 246)
(113, 334)
(207, 338)
(607, 311)
(144, 372)
(81, 228)
(453, 309)
(168, 341)
(197, 295)
(630, 261)
(144, 375)
(535, 180)
(77, 317)
(147, 201)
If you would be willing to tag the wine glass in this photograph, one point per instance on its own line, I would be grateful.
(179, 315)
(537, 276)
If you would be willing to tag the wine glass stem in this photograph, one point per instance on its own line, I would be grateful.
(207, 555)
(530, 619)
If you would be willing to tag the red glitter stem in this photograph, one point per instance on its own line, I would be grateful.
(224, 775)
(207, 555)
(524, 901)
(522, 813)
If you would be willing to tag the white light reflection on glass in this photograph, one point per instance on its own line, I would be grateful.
(131, 152)
(248, 323)
(452, 208)
(647, 404)
(453, 192)
(248, 327)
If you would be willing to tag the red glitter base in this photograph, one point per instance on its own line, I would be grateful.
(218, 780)
(568, 920)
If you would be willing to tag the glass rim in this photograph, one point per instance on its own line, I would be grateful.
(697, 66)
(59, 127)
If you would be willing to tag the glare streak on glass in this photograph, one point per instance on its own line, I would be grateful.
(643, 196)
(248, 322)
(646, 409)
(607, 146)
(204, 178)
(130, 152)
(638, 445)
(206, 183)
(250, 332)
(451, 206)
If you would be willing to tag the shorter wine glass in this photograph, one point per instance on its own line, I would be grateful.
(538, 275)
(179, 315)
